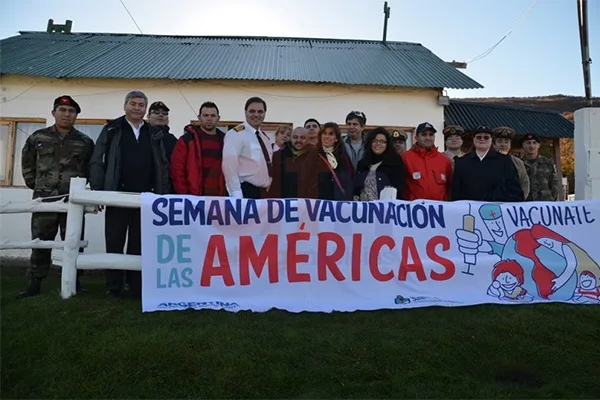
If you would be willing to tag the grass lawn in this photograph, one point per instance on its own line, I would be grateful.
(94, 347)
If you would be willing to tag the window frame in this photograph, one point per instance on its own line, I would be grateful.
(12, 122)
(266, 126)
(92, 121)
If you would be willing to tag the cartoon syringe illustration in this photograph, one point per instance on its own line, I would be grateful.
(469, 225)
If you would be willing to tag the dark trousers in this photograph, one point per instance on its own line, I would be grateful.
(250, 191)
(45, 226)
(121, 224)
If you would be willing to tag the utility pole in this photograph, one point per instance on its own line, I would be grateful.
(386, 13)
(585, 49)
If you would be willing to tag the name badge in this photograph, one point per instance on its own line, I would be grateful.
(416, 175)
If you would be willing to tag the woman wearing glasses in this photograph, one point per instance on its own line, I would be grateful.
(484, 174)
(379, 167)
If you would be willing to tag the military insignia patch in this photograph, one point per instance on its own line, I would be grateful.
(239, 128)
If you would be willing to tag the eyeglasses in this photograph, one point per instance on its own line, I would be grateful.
(159, 112)
(483, 138)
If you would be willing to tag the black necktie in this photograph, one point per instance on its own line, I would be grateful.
(265, 152)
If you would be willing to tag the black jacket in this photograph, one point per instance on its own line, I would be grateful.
(494, 178)
(389, 173)
(105, 165)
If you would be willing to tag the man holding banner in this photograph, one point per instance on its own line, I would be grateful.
(247, 154)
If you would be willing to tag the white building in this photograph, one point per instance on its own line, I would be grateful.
(396, 84)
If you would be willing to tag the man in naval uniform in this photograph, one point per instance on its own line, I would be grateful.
(247, 154)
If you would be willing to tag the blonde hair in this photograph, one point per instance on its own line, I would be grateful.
(282, 128)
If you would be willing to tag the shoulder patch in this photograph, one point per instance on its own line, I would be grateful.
(239, 128)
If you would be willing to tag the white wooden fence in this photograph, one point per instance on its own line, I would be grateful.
(80, 201)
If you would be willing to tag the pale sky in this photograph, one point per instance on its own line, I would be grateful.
(540, 57)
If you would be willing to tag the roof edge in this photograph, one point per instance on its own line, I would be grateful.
(513, 106)
(316, 39)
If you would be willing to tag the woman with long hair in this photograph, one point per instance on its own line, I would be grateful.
(379, 167)
(333, 169)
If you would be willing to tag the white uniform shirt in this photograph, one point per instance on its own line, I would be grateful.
(243, 159)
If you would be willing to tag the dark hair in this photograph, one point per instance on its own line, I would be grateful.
(208, 104)
(254, 100)
(359, 115)
(369, 157)
(339, 149)
(312, 120)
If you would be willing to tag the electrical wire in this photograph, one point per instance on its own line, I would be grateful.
(131, 16)
(519, 22)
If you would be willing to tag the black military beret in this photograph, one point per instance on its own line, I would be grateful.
(66, 101)
(531, 136)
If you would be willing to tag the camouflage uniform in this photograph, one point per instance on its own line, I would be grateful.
(523, 177)
(543, 179)
(49, 160)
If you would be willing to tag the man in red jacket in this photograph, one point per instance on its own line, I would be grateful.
(428, 172)
(198, 155)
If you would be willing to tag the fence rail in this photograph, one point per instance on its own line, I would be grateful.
(80, 201)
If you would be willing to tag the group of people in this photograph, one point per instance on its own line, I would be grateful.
(133, 154)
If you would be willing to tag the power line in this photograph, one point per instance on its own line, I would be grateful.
(519, 22)
(131, 16)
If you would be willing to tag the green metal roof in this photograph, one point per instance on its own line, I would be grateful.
(109, 55)
(523, 120)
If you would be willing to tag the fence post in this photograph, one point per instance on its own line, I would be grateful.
(72, 237)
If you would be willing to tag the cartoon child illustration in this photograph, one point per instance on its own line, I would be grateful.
(588, 290)
(508, 281)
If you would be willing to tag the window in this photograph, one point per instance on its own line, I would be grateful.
(267, 127)
(13, 134)
(91, 127)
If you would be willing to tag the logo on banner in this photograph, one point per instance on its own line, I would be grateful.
(535, 262)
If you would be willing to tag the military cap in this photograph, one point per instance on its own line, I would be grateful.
(158, 105)
(531, 136)
(66, 101)
(425, 126)
(504, 132)
(482, 129)
(451, 130)
(397, 135)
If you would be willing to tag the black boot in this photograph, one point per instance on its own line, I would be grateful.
(33, 288)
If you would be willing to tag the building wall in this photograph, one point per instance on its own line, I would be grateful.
(32, 97)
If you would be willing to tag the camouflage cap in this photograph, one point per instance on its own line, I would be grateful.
(531, 136)
(397, 135)
(66, 101)
(504, 132)
(452, 130)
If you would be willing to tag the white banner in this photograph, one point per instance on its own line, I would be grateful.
(322, 256)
